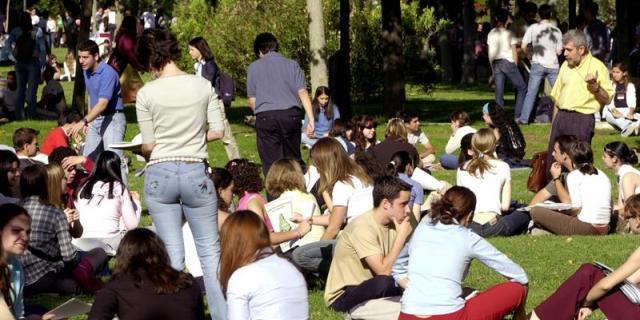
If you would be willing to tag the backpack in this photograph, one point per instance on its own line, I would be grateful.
(225, 88)
(538, 175)
(24, 49)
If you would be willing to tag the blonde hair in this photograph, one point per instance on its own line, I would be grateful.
(335, 165)
(284, 175)
(483, 145)
(396, 129)
(55, 174)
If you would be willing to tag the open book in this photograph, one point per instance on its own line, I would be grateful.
(71, 308)
(280, 212)
(628, 288)
(555, 206)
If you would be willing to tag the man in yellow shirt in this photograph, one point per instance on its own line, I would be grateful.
(582, 88)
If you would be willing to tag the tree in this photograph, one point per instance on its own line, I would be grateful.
(392, 57)
(317, 45)
(468, 55)
(79, 102)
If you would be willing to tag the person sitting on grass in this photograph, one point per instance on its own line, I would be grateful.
(25, 141)
(247, 185)
(620, 112)
(401, 165)
(367, 249)
(342, 132)
(9, 176)
(365, 135)
(434, 264)
(52, 104)
(630, 216)
(511, 145)
(57, 188)
(416, 135)
(8, 97)
(556, 189)
(395, 140)
(589, 195)
(590, 288)
(106, 206)
(619, 157)
(490, 181)
(59, 136)
(76, 170)
(257, 282)
(145, 286)
(325, 113)
(460, 127)
(52, 264)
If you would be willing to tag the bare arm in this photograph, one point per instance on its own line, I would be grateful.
(629, 268)
(336, 220)
(306, 104)
(541, 196)
(382, 265)
(252, 103)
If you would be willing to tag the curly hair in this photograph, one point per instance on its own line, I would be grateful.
(246, 176)
(157, 48)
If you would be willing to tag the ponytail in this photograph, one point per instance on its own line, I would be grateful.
(582, 157)
(621, 151)
(483, 144)
(456, 204)
(399, 162)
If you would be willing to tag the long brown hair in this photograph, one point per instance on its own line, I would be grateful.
(361, 123)
(625, 73)
(457, 203)
(334, 165)
(483, 145)
(140, 252)
(242, 236)
(55, 174)
(315, 104)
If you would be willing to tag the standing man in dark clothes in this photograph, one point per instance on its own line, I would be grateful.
(277, 88)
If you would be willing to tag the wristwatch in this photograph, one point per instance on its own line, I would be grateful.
(86, 121)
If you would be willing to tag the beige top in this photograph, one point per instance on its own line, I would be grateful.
(363, 237)
(173, 113)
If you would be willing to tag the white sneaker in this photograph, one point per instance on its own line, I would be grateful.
(631, 129)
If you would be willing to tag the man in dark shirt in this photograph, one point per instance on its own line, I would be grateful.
(277, 88)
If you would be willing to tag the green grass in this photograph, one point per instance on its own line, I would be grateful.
(548, 260)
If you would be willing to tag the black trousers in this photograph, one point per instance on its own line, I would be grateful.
(278, 136)
(374, 288)
(569, 123)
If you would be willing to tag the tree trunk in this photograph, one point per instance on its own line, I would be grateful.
(94, 12)
(340, 66)
(317, 45)
(572, 14)
(79, 102)
(468, 54)
(392, 57)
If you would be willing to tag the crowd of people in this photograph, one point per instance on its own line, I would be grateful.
(365, 215)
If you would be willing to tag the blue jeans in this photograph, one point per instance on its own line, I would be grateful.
(28, 78)
(102, 132)
(505, 69)
(537, 74)
(174, 189)
(449, 161)
(507, 225)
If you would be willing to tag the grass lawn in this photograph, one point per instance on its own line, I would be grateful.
(548, 260)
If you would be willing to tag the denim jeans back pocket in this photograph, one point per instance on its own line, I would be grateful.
(155, 183)
(202, 185)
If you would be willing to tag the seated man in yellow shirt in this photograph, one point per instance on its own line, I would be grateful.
(582, 88)
(368, 247)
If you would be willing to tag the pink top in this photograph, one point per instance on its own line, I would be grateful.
(243, 203)
(102, 217)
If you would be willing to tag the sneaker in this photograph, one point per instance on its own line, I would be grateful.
(631, 129)
(520, 122)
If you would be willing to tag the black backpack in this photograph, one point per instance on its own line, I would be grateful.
(24, 49)
(225, 88)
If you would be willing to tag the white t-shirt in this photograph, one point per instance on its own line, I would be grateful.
(546, 41)
(112, 17)
(419, 136)
(270, 288)
(488, 188)
(454, 141)
(357, 197)
(500, 41)
(52, 26)
(591, 193)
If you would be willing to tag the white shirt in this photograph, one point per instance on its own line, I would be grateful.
(630, 97)
(546, 41)
(270, 288)
(51, 26)
(500, 41)
(591, 193)
(357, 197)
(488, 187)
(623, 171)
(454, 141)
(419, 136)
